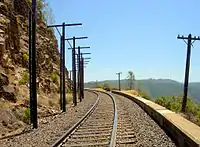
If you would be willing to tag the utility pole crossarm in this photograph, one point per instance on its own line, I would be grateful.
(85, 54)
(86, 58)
(76, 38)
(80, 48)
(72, 24)
(187, 37)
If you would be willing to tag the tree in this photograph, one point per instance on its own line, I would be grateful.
(106, 86)
(131, 79)
(44, 11)
(48, 14)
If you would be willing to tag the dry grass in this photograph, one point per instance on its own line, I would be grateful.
(5, 104)
(100, 89)
(49, 101)
(69, 98)
(133, 92)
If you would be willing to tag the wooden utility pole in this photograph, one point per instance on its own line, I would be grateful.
(62, 62)
(74, 66)
(119, 73)
(33, 87)
(189, 43)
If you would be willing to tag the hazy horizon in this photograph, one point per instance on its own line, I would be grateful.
(142, 79)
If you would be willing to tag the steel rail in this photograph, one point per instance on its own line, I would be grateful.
(114, 130)
(62, 138)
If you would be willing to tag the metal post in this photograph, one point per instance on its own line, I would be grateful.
(79, 74)
(63, 55)
(74, 71)
(34, 87)
(30, 64)
(119, 83)
(82, 78)
(119, 80)
(61, 73)
(184, 102)
(81, 87)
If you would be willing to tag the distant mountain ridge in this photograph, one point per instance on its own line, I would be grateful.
(156, 87)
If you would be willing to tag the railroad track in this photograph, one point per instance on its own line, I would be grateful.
(112, 123)
(97, 127)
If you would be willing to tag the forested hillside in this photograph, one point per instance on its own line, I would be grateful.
(155, 88)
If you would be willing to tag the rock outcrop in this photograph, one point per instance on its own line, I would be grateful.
(14, 75)
(14, 53)
(6, 92)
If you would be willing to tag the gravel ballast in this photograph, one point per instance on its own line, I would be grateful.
(96, 130)
(148, 133)
(50, 129)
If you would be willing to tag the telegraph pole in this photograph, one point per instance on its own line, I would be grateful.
(30, 62)
(189, 43)
(83, 61)
(79, 64)
(80, 78)
(62, 63)
(61, 73)
(74, 66)
(119, 73)
(79, 74)
(33, 92)
(63, 67)
(74, 71)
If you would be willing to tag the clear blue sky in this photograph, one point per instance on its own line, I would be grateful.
(133, 35)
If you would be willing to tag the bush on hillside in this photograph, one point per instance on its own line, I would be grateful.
(24, 79)
(25, 57)
(54, 78)
(145, 95)
(106, 86)
(174, 103)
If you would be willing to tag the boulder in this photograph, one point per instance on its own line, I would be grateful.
(3, 79)
(8, 94)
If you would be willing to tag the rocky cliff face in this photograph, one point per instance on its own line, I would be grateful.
(14, 48)
(14, 76)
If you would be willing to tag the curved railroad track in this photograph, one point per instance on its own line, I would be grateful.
(114, 121)
(97, 127)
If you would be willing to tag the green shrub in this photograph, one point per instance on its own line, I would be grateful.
(24, 79)
(197, 116)
(27, 114)
(25, 58)
(106, 86)
(174, 103)
(145, 95)
(170, 102)
(54, 78)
